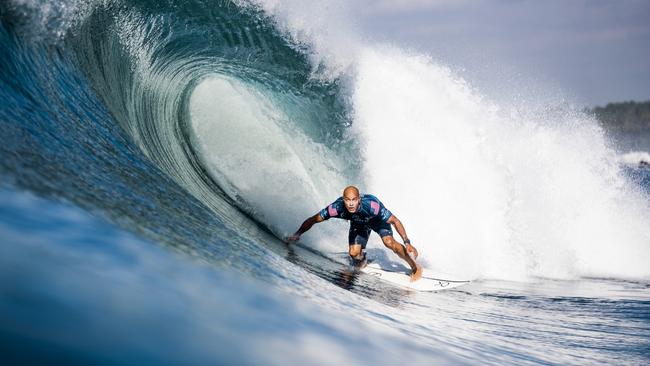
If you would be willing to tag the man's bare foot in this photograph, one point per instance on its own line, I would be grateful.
(360, 264)
(417, 274)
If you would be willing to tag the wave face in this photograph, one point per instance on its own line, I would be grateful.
(213, 128)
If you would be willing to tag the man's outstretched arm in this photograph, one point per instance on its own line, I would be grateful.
(393, 220)
(306, 225)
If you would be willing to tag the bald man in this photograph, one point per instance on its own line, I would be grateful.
(365, 213)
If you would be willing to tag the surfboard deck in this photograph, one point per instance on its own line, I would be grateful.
(429, 281)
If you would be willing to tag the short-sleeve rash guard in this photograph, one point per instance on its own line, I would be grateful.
(370, 210)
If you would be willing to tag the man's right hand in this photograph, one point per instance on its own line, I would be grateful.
(292, 238)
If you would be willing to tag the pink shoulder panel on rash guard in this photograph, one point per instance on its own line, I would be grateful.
(332, 211)
(374, 206)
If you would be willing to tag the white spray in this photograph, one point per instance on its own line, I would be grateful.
(494, 194)
(483, 191)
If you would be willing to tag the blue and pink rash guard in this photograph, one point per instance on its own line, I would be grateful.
(370, 209)
(371, 215)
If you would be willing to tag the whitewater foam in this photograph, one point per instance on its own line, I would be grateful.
(486, 190)
(493, 194)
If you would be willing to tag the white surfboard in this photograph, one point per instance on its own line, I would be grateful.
(429, 281)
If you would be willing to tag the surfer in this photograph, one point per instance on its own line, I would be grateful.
(365, 213)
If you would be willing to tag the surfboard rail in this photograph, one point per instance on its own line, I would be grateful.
(400, 278)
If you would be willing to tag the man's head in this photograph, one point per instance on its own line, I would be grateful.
(351, 199)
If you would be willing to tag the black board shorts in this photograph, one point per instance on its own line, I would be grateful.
(359, 233)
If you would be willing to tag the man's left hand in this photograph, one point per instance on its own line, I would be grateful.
(410, 249)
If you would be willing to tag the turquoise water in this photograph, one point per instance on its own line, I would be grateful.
(153, 153)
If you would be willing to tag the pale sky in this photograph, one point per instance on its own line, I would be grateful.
(593, 51)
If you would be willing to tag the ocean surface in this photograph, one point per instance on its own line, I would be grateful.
(155, 153)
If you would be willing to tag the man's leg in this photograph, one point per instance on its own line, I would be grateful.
(400, 250)
(356, 253)
(357, 239)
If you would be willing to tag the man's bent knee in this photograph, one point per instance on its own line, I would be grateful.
(390, 243)
(355, 251)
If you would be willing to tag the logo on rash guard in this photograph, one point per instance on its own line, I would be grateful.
(374, 206)
(332, 211)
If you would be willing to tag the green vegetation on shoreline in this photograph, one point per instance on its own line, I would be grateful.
(624, 117)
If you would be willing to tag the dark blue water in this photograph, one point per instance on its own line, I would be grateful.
(118, 245)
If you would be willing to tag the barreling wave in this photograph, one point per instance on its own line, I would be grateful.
(155, 71)
(212, 127)
(227, 114)
(158, 71)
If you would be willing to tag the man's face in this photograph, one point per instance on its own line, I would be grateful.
(351, 200)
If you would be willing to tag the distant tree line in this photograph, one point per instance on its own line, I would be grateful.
(625, 117)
